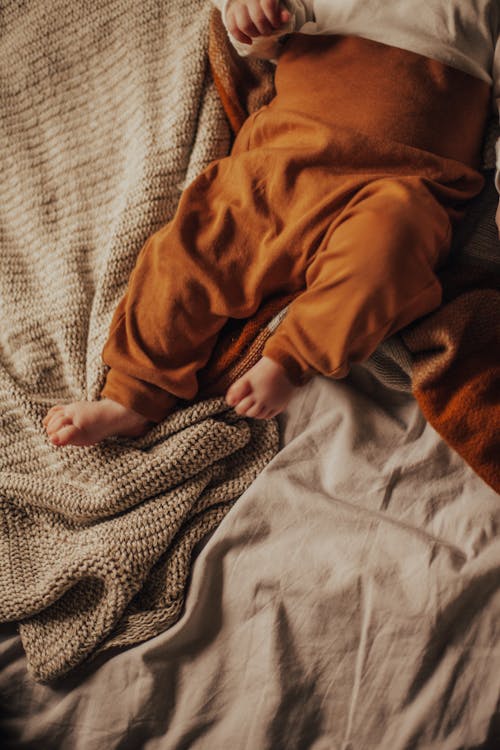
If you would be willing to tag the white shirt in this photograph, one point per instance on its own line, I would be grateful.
(464, 34)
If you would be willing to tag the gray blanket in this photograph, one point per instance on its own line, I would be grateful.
(350, 600)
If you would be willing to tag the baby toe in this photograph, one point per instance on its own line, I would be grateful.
(65, 435)
(237, 391)
(57, 422)
(51, 413)
(244, 405)
(257, 410)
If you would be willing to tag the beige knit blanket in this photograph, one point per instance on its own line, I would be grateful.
(107, 110)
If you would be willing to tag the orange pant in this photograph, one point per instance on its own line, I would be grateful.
(343, 189)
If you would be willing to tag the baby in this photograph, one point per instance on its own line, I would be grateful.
(343, 192)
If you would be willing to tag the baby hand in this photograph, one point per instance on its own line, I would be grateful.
(246, 19)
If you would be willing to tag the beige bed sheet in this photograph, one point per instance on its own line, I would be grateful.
(349, 600)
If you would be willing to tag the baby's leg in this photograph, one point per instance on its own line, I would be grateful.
(373, 275)
(219, 257)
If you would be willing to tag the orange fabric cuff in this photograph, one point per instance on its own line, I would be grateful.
(296, 373)
(152, 402)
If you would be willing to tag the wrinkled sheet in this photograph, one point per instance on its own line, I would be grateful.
(349, 600)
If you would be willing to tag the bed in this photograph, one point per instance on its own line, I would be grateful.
(326, 580)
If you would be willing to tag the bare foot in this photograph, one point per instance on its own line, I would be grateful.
(89, 422)
(262, 392)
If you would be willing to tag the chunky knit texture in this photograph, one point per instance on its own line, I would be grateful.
(107, 110)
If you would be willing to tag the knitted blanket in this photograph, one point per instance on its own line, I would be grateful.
(450, 359)
(107, 110)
